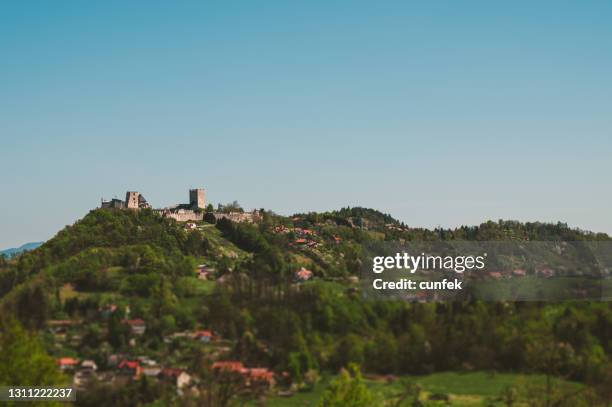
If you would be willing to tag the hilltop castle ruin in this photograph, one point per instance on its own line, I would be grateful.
(133, 200)
(188, 212)
(196, 198)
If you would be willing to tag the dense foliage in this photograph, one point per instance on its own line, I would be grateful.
(144, 264)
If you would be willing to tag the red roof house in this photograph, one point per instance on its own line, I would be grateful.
(131, 368)
(261, 373)
(495, 274)
(303, 274)
(228, 366)
(66, 363)
(204, 336)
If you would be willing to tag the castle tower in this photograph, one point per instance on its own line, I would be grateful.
(132, 199)
(196, 198)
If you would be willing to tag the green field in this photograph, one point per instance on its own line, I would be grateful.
(464, 389)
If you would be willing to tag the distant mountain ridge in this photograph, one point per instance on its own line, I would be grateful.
(18, 250)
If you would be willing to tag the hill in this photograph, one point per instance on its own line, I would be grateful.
(131, 285)
(18, 250)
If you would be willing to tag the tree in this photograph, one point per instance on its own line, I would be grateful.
(509, 396)
(30, 303)
(295, 366)
(603, 390)
(544, 354)
(350, 350)
(209, 217)
(230, 207)
(164, 301)
(348, 390)
(409, 395)
(23, 360)
(216, 388)
(118, 333)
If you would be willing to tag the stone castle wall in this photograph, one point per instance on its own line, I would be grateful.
(181, 215)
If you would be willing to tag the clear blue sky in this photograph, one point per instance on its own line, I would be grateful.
(440, 113)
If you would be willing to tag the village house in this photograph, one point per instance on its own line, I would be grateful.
(137, 326)
(151, 371)
(203, 336)
(352, 279)
(392, 226)
(67, 364)
(303, 232)
(302, 274)
(251, 376)
(85, 374)
(228, 366)
(545, 272)
(305, 242)
(169, 338)
(130, 368)
(260, 375)
(519, 272)
(495, 275)
(89, 365)
(281, 229)
(75, 339)
(64, 323)
(107, 310)
(82, 378)
(204, 272)
(114, 359)
(146, 361)
(61, 327)
(179, 377)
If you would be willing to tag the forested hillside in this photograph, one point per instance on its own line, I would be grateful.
(120, 285)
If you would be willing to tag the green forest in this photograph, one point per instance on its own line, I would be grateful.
(224, 291)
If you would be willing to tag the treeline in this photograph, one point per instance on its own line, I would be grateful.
(374, 220)
(325, 328)
(348, 216)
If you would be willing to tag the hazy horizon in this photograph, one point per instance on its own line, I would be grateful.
(442, 114)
